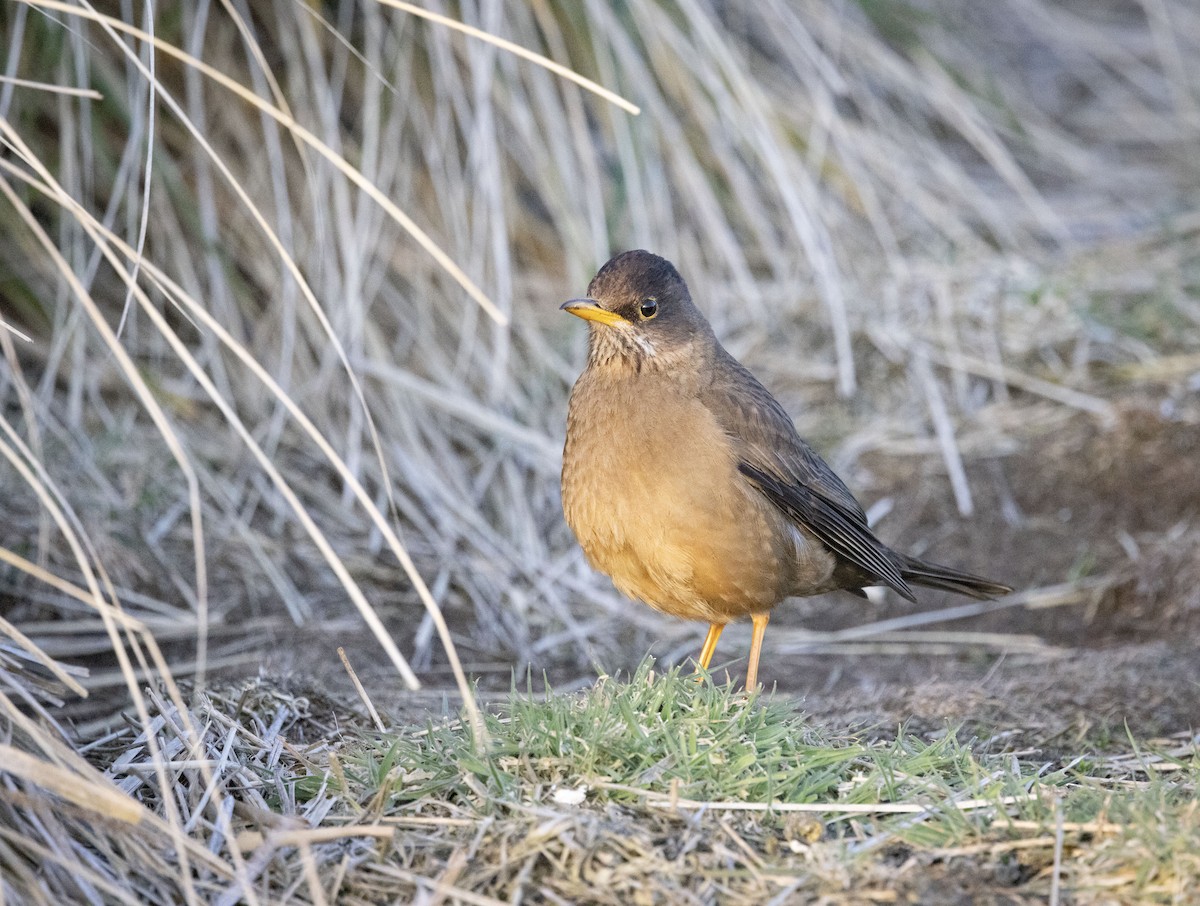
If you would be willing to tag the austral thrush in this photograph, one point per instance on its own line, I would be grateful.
(685, 481)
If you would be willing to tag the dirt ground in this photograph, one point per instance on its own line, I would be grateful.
(1112, 505)
(1109, 507)
(1116, 506)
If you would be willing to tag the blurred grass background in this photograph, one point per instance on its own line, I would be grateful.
(241, 384)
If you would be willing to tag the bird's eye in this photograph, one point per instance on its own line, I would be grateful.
(648, 308)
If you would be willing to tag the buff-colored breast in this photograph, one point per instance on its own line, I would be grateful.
(651, 489)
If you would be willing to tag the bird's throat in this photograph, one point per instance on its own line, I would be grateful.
(618, 345)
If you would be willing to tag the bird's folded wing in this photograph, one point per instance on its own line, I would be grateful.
(791, 475)
(838, 530)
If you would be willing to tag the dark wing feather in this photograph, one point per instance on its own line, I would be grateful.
(791, 475)
(849, 539)
(765, 434)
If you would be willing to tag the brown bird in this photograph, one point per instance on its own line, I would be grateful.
(685, 481)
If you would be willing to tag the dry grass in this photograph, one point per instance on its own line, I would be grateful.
(281, 368)
(647, 789)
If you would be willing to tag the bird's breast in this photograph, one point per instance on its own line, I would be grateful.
(651, 489)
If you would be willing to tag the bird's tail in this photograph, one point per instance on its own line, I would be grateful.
(920, 572)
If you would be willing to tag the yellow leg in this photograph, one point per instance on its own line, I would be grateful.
(756, 640)
(710, 645)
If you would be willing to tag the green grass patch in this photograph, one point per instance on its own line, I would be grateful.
(658, 739)
(661, 789)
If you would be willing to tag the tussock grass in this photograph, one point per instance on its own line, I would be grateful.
(806, 169)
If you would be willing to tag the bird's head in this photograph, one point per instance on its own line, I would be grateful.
(640, 312)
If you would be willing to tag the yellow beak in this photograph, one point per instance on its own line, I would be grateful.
(590, 310)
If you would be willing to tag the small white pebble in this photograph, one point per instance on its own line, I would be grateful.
(571, 797)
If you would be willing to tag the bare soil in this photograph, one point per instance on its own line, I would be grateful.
(1114, 506)
(1115, 503)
